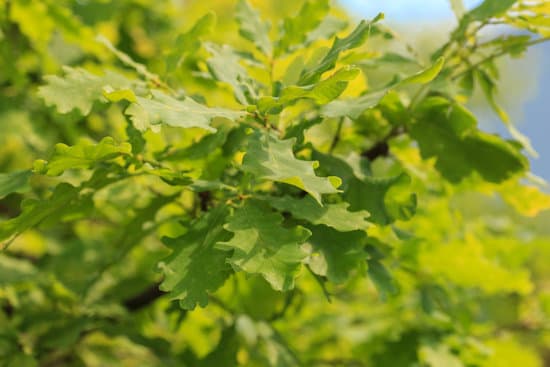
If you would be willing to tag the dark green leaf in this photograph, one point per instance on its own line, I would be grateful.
(445, 130)
(335, 254)
(382, 279)
(35, 211)
(371, 194)
(196, 267)
(263, 246)
(17, 181)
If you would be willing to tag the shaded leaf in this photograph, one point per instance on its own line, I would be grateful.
(35, 211)
(225, 353)
(445, 131)
(196, 267)
(335, 254)
(382, 279)
(371, 194)
(17, 181)
(15, 270)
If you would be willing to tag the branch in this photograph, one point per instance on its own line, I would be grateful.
(495, 55)
(143, 299)
(336, 138)
(382, 148)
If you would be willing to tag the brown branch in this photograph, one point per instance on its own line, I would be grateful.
(382, 148)
(143, 299)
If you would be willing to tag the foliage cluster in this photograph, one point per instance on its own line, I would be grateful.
(280, 187)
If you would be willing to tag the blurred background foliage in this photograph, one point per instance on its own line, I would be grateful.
(470, 283)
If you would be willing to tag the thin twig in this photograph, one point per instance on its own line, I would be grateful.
(336, 138)
(495, 55)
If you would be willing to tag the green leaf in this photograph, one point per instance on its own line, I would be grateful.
(439, 356)
(373, 195)
(322, 92)
(199, 149)
(164, 109)
(189, 42)
(196, 267)
(355, 39)
(15, 270)
(427, 75)
(17, 181)
(458, 8)
(295, 29)
(81, 156)
(328, 27)
(128, 61)
(253, 28)
(336, 216)
(263, 246)
(225, 353)
(444, 130)
(269, 158)
(224, 65)
(35, 211)
(173, 178)
(298, 130)
(335, 254)
(20, 359)
(135, 138)
(490, 8)
(352, 107)
(382, 279)
(488, 86)
(79, 89)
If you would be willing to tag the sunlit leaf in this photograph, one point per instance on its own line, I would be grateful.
(263, 246)
(269, 158)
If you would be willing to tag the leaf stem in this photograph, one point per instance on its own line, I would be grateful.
(336, 138)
